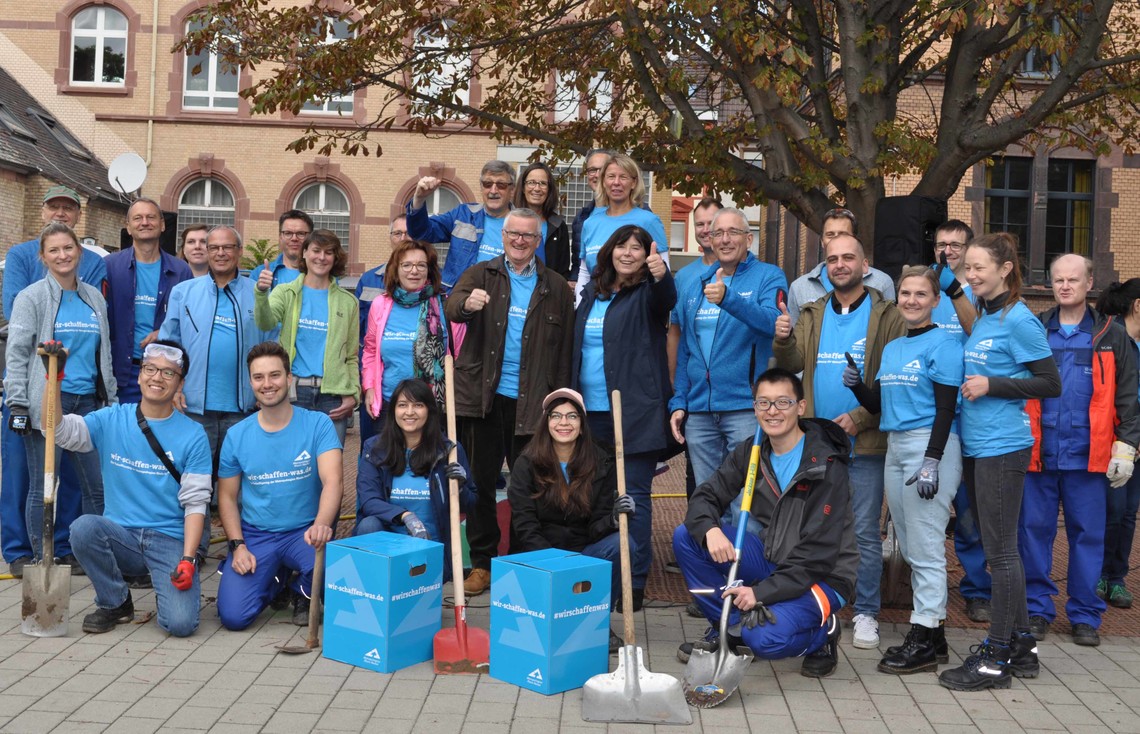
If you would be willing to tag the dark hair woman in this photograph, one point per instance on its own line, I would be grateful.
(538, 190)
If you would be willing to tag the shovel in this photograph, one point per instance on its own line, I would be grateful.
(47, 587)
(631, 693)
(315, 596)
(461, 649)
(712, 676)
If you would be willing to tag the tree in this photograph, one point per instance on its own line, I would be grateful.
(823, 93)
(258, 252)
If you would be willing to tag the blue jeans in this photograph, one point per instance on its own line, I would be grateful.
(89, 486)
(920, 525)
(1122, 505)
(800, 625)
(976, 583)
(866, 476)
(639, 469)
(109, 551)
(242, 597)
(217, 423)
(609, 549)
(313, 399)
(711, 437)
(14, 493)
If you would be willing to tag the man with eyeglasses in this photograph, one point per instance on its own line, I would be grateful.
(797, 573)
(474, 231)
(814, 284)
(155, 503)
(520, 333)
(595, 159)
(292, 228)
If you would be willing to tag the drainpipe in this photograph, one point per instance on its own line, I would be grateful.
(153, 75)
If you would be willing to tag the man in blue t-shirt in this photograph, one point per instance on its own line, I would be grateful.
(292, 228)
(156, 495)
(286, 463)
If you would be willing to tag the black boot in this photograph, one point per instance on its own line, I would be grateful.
(986, 667)
(941, 649)
(1023, 656)
(916, 654)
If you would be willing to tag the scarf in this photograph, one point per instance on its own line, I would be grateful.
(430, 347)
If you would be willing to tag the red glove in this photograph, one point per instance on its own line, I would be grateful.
(183, 575)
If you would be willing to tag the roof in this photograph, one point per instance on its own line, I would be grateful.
(33, 141)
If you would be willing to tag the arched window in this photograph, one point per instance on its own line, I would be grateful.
(99, 47)
(205, 201)
(443, 69)
(333, 31)
(442, 200)
(328, 206)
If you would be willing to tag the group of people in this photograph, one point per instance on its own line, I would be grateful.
(186, 380)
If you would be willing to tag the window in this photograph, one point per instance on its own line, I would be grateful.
(14, 126)
(576, 191)
(1069, 209)
(99, 47)
(599, 97)
(210, 82)
(335, 30)
(1007, 198)
(443, 69)
(60, 133)
(1039, 63)
(678, 236)
(328, 206)
(205, 201)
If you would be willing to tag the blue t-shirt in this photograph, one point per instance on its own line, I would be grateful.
(599, 226)
(565, 473)
(786, 465)
(146, 301)
(999, 346)
(77, 326)
(140, 493)
(222, 372)
(280, 484)
(592, 376)
(682, 278)
(839, 333)
(312, 333)
(947, 318)
(396, 346)
(907, 373)
(491, 243)
(414, 495)
(521, 291)
(705, 322)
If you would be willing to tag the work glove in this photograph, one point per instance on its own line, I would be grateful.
(1119, 466)
(415, 526)
(182, 577)
(927, 478)
(455, 471)
(18, 421)
(946, 280)
(851, 376)
(757, 616)
(56, 348)
(623, 505)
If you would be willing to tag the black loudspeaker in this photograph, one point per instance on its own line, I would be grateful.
(904, 231)
(168, 241)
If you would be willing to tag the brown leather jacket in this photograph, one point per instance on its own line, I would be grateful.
(548, 338)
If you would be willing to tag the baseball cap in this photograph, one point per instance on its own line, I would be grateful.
(567, 394)
(62, 192)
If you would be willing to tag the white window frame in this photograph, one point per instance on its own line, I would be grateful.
(99, 34)
(209, 214)
(338, 105)
(321, 213)
(212, 94)
(433, 38)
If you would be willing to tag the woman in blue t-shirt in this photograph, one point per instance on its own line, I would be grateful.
(1007, 360)
(537, 190)
(916, 392)
(63, 308)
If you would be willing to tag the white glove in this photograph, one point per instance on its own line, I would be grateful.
(1120, 465)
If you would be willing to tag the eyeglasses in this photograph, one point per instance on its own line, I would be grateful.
(151, 370)
(294, 235)
(593, 170)
(723, 234)
(524, 236)
(171, 354)
(221, 248)
(501, 185)
(568, 417)
(409, 267)
(398, 233)
(538, 184)
(951, 246)
(780, 403)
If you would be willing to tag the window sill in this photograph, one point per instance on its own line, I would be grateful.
(96, 90)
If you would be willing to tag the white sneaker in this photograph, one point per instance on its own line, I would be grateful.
(866, 632)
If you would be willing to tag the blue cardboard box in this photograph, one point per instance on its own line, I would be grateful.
(383, 600)
(550, 619)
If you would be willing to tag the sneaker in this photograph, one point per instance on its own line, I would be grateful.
(616, 643)
(694, 610)
(979, 610)
(1119, 597)
(71, 560)
(477, 582)
(301, 611)
(1102, 589)
(916, 654)
(1085, 635)
(866, 632)
(16, 567)
(941, 649)
(672, 567)
(1023, 662)
(822, 662)
(708, 643)
(281, 599)
(986, 667)
(139, 582)
(104, 620)
(1038, 627)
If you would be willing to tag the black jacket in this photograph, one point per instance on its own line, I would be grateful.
(809, 531)
(559, 258)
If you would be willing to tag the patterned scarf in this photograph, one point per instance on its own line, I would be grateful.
(430, 347)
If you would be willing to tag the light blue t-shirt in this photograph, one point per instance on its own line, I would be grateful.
(1068, 329)
(599, 226)
(682, 278)
(222, 372)
(592, 376)
(312, 333)
(705, 322)
(396, 346)
(414, 495)
(146, 301)
(140, 493)
(565, 473)
(283, 276)
(947, 318)
(521, 291)
(77, 326)
(839, 333)
(999, 346)
(786, 465)
(491, 243)
(907, 373)
(280, 484)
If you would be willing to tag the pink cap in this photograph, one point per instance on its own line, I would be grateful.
(564, 393)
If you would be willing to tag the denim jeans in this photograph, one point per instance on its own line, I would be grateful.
(866, 475)
(639, 470)
(920, 525)
(216, 423)
(711, 437)
(313, 399)
(1122, 505)
(109, 551)
(241, 597)
(996, 485)
(975, 582)
(14, 483)
(85, 464)
(609, 549)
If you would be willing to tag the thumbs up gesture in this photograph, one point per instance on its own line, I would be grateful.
(265, 279)
(714, 291)
(656, 264)
(783, 321)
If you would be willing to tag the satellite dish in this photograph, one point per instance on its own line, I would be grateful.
(127, 173)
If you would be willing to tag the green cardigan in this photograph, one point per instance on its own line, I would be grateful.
(282, 305)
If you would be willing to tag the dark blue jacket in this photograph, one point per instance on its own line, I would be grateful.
(461, 228)
(633, 341)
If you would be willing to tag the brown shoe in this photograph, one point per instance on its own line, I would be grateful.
(478, 582)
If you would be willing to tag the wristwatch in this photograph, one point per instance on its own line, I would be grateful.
(235, 543)
(192, 559)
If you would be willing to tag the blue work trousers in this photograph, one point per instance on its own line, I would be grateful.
(241, 597)
(1122, 505)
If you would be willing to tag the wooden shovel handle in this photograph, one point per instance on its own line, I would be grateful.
(623, 524)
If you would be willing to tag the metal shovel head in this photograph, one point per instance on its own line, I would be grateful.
(708, 683)
(47, 593)
(633, 694)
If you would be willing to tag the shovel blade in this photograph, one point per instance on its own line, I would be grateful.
(633, 694)
(461, 649)
(46, 596)
(708, 683)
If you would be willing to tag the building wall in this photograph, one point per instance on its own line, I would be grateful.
(12, 191)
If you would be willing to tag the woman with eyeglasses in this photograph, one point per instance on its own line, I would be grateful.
(538, 191)
(408, 334)
(563, 490)
(619, 344)
(59, 308)
(320, 328)
(621, 192)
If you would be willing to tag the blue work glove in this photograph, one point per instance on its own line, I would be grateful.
(415, 526)
(946, 280)
(623, 505)
(455, 471)
(927, 478)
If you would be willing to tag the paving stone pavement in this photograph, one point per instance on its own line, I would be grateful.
(138, 679)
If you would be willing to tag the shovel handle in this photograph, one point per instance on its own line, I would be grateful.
(623, 524)
(48, 421)
(315, 597)
(453, 485)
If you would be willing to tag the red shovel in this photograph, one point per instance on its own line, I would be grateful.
(461, 649)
